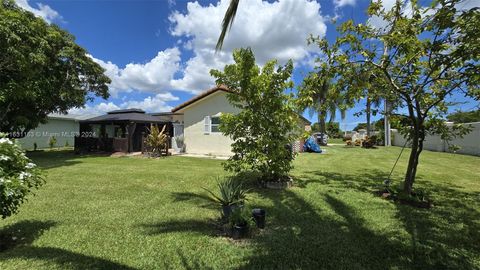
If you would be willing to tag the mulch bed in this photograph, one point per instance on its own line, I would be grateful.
(418, 204)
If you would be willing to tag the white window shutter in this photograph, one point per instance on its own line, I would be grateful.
(208, 123)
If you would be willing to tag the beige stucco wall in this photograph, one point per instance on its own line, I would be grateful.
(196, 141)
(470, 143)
(64, 130)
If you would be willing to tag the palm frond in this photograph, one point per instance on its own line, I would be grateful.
(227, 22)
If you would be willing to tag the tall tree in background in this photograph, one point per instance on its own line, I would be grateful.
(424, 55)
(372, 100)
(464, 117)
(42, 70)
(318, 95)
(321, 90)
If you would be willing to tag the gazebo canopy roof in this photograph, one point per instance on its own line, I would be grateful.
(128, 115)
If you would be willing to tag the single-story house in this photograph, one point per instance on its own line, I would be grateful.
(63, 127)
(193, 126)
(201, 119)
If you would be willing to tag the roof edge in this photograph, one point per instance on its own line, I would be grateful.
(210, 91)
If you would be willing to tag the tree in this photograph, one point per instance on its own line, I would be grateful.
(373, 100)
(18, 177)
(42, 71)
(360, 126)
(319, 95)
(320, 90)
(398, 121)
(464, 117)
(333, 130)
(267, 120)
(421, 57)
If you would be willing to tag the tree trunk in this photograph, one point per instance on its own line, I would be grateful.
(322, 124)
(417, 147)
(368, 111)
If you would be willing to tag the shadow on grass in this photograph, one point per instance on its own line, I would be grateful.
(364, 182)
(28, 231)
(53, 159)
(190, 225)
(300, 235)
(440, 238)
(199, 199)
(446, 236)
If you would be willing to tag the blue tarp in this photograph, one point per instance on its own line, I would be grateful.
(311, 145)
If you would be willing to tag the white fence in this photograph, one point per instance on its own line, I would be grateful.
(469, 144)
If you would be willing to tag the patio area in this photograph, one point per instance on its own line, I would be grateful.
(118, 131)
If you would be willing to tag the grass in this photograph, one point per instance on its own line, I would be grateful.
(131, 213)
(336, 140)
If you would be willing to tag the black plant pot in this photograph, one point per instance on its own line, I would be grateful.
(240, 231)
(228, 209)
(259, 216)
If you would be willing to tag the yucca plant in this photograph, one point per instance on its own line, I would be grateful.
(231, 192)
(156, 140)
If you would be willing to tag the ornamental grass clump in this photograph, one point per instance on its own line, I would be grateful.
(156, 141)
(18, 176)
(231, 191)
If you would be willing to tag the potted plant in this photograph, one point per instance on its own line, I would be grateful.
(232, 195)
(239, 221)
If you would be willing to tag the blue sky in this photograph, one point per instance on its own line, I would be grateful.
(158, 53)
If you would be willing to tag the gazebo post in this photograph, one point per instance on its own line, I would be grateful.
(130, 129)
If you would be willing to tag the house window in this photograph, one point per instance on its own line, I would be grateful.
(215, 124)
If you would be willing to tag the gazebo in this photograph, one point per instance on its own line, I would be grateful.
(118, 131)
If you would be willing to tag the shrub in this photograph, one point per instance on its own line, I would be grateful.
(52, 142)
(369, 142)
(267, 120)
(241, 216)
(156, 140)
(347, 138)
(454, 148)
(358, 142)
(18, 176)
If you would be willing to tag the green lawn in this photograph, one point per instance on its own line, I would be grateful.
(134, 213)
(336, 141)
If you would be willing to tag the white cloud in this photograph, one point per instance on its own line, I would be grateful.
(342, 3)
(154, 76)
(407, 8)
(43, 11)
(157, 103)
(378, 22)
(273, 30)
(467, 4)
(98, 109)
